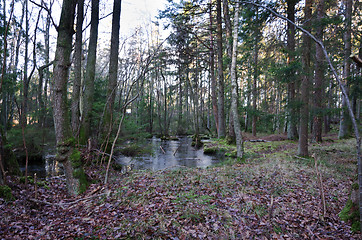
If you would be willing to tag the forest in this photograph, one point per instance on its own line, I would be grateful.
(217, 119)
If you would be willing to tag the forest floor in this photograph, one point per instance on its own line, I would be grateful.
(272, 195)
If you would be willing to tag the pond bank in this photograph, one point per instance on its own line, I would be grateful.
(272, 196)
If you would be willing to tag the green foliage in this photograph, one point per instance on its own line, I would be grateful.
(350, 213)
(40, 183)
(5, 193)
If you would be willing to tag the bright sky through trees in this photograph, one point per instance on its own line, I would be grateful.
(138, 12)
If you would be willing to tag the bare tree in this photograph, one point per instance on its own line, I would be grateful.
(67, 155)
(234, 86)
(77, 69)
(90, 75)
(113, 67)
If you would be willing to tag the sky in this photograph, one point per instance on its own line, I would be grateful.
(139, 12)
(134, 13)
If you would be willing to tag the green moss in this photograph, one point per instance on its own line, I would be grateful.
(80, 175)
(355, 186)
(131, 150)
(5, 193)
(30, 179)
(350, 214)
(70, 142)
(75, 158)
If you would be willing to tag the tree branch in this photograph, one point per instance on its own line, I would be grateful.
(356, 59)
(342, 87)
(46, 9)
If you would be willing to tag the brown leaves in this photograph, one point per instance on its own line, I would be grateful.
(245, 201)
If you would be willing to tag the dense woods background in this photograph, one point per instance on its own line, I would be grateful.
(224, 68)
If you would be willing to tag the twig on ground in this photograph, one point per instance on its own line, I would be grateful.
(271, 208)
(321, 187)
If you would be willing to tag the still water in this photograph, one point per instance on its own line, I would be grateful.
(164, 154)
(170, 154)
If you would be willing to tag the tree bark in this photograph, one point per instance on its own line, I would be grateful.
(212, 72)
(345, 121)
(75, 120)
(319, 77)
(113, 66)
(220, 100)
(292, 115)
(255, 73)
(234, 86)
(24, 105)
(229, 46)
(65, 145)
(304, 88)
(90, 75)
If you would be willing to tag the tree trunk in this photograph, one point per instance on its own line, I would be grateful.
(234, 86)
(113, 67)
(304, 88)
(24, 105)
(212, 72)
(67, 155)
(292, 118)
(319, 76)
(229, 40)
(255, 74)
(77, 69)
(220, 102)
(180, 128)
(90, 75)
(345, 121)
(44, 74)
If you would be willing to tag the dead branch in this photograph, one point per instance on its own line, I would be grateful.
(271, 208)
(177, 150)
(356, 59)
(321, 187)
(43, 6)
(162, 150)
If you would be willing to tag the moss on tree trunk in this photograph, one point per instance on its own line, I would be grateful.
(350, 212)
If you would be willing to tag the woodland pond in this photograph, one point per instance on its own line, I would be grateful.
(169, 154)
(160, 155)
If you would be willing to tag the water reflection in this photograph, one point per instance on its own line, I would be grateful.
(165, 154)
(168, 154)
(46, 167)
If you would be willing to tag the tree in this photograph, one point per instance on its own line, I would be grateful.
(345, 121)
(67, 154)
(319, 76)
(75, 120)
(220, 72)
(256, 72)
(234, 86)
(113, 67)
(292, 118)
(212, 70)
(305, 84)
(90, 75)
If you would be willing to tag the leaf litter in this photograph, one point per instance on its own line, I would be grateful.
(273, 196)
